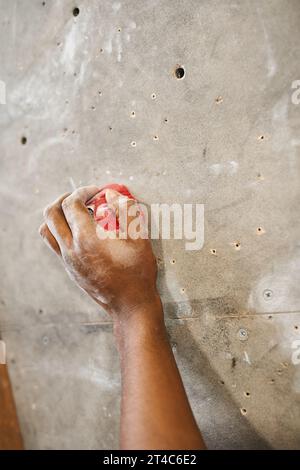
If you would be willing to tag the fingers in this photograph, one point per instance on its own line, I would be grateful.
(76, 212)
(49, 239)
(127, 210)
(56, 222)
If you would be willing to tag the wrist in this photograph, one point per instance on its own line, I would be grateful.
(138, 308)
(139, 320)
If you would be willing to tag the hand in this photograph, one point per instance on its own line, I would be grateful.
(119, 274)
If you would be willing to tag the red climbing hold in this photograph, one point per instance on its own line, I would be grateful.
(103, 215)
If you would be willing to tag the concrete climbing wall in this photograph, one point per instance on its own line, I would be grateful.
(93, 98)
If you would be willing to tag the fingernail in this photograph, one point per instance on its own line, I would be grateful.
(111, 195)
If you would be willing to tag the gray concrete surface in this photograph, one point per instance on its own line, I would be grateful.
(72, 84)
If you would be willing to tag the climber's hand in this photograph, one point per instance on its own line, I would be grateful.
(120, 274)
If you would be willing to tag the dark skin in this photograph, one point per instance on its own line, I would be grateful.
(120, 275)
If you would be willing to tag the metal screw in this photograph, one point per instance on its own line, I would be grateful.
(242, 334)
(267, 294)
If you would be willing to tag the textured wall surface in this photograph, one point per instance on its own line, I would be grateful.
(79, 91)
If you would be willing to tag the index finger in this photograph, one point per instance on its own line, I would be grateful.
(76, 212)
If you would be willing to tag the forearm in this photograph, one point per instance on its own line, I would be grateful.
(120, 274)
(155, 412)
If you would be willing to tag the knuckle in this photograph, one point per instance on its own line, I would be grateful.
(47, 211)
(51, 211)
(67, 203)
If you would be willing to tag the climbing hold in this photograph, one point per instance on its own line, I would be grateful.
(98, 206)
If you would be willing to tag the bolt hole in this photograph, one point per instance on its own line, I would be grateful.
(166, 120)
(261, 137)
(247, 394)
(222, 382)
(153, 96)
(173, 261)
(237, 245)
(243, 411)
(213, 251)
(76, 11)
(296, 327)
(179, 73)
(133, 144)
(24, 140)
(132, 114)
(119, 30)
(155, 137)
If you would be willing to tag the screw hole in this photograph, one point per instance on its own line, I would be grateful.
(24, 140)
(267, 294)
(153, 96)
(261, 137)
(179, 73)
(133, 144)
(243, 411)
(76, 11)
(213, 251)
(247, 394)
(296, 327)
(173, 261)
(132, 114)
